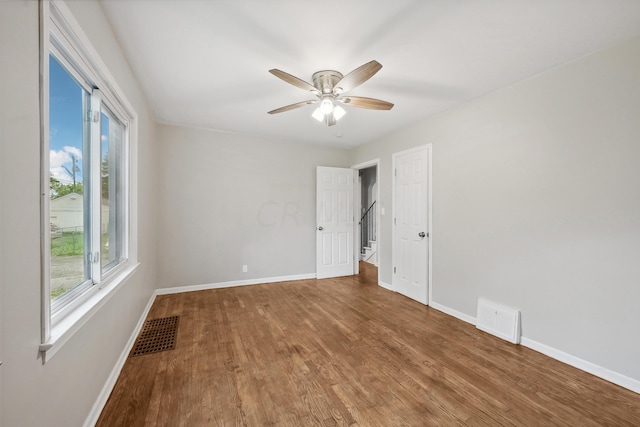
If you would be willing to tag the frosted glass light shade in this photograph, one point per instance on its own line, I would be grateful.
(318, 115)
(326, 106)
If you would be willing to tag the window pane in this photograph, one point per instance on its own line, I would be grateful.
(68, 171)
(111, 205)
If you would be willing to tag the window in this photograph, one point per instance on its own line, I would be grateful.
(87, 211)
(112, 211)
(86, 165)
(69, 175)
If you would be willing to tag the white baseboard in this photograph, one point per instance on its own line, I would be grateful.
(583, 365)
(561, 356)
(455, 313)
(204, 287)
(98, 406)
(385, 285)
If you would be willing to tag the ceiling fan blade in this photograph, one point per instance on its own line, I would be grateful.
(370, 103)
(292, 106)
(357, 77)
(294, 80)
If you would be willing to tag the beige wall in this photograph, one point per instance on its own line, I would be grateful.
(536, 205)
(229, 200)
(61, 392)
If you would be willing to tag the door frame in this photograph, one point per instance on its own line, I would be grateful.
(357, 206)
(394, 157)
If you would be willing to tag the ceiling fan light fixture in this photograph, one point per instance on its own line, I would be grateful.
(318, 114)
(326, 106)
(338, 112)
(329, 119)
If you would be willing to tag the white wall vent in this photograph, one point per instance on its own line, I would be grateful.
(498, 320)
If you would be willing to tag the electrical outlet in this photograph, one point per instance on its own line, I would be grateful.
(245, 268)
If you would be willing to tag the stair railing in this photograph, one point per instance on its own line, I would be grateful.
(368, 226)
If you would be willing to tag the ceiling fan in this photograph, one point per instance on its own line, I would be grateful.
(329, 87)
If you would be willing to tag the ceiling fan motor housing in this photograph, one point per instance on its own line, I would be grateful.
(325, 80)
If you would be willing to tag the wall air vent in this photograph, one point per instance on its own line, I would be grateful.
(498, 320)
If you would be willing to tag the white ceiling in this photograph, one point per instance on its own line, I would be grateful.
(205, 63)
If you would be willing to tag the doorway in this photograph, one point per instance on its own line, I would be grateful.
(368, 215)
(367, 243)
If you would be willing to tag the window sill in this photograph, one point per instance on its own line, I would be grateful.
(67, 327)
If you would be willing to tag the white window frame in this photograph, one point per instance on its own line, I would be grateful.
(61, 35)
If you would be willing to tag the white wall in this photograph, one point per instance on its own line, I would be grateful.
(61, 392)
(536, 205)
(229, 200)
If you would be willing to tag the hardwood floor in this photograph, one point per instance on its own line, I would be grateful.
(346, 352)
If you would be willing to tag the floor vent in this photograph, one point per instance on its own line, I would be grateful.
(498, 320)
(156, 335)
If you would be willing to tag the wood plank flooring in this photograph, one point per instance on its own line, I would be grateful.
(346, 352)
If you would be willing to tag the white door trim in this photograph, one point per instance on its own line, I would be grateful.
(357, 205)
(394, 157)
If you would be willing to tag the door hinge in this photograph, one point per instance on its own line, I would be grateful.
(395, 172)
(394, 221)
(93, 116)
(394, 270)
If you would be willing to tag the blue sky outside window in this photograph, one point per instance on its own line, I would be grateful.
(68, 207)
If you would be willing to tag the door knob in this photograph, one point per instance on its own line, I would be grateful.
(320, 228)
(421, 234)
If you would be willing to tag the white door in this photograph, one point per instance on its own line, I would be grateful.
(334, 228)
(411, 223)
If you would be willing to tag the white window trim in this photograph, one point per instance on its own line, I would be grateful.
(55, 17)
